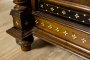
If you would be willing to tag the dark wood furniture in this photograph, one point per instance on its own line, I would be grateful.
(63, 23)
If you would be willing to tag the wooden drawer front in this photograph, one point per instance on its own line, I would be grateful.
(72, 35)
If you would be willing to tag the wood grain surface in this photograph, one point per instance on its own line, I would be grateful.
(9, 50)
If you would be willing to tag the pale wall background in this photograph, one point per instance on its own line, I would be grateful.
(9, 50)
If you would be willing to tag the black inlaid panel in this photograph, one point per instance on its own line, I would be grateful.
(65, 12)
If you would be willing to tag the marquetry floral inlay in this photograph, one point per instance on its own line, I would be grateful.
(46, 4)
(52, 9)
(42, 24)
(36, 22)
(69, 10)
(83, 21)
(17, 23)
(64, 12)
(50, 27)
(57, 13)
(41, 6)
(83, 40)
(57, 29)
(57, 7)
(84, 15)
(74, 36)
(76, 15)
(89, 19)
(69, 17)
(65, 32)
(45, 10)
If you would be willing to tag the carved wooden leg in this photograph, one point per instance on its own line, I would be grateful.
(23, 24)
(25, 43)
(24, 39)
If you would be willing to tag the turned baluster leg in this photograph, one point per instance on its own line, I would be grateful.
(24, 22)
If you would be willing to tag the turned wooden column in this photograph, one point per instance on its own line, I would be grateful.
(23, 22)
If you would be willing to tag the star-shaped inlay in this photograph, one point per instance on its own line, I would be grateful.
(76, 15)
(52, 9)
(65, 32)
(41, 6)
(83, 21)
(69, 10)
(46, 4)
(45, 10)
(89, 19)
(69, 17)
(74, 36)
(57, 7)
(84, 40)
(50, 27)
(84, 15)
(63, 12)
(57, 13)
(57, 29)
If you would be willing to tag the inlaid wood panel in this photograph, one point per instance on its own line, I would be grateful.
(61, 11)
(68, 33)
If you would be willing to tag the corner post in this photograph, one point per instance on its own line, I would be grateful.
(23, 22)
